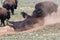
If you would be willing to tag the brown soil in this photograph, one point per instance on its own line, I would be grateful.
(54, 18)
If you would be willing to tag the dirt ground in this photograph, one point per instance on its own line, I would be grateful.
(54, 18)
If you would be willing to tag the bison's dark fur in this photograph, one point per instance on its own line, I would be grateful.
(4, 15)
(25, 14)
(45, 8)
(29, 21)
(10, 5)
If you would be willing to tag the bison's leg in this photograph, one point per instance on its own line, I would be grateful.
(12, 10)
(2, 22)
(6, 21)
(15, 6)
(7, 17)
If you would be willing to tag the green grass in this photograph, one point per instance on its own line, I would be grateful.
(51, 32)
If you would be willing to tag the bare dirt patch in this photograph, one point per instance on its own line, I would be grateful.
(54, 18)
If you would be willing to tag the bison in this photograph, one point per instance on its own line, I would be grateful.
(10, 5)
(4, 15)
(27, 23)
(45, 8)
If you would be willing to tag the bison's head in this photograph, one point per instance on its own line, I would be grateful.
(38, 13)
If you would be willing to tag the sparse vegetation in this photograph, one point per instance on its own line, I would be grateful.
(52, 32)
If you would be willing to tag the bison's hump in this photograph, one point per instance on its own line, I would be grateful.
(3, 10)
(10, 1)
(46, 6)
